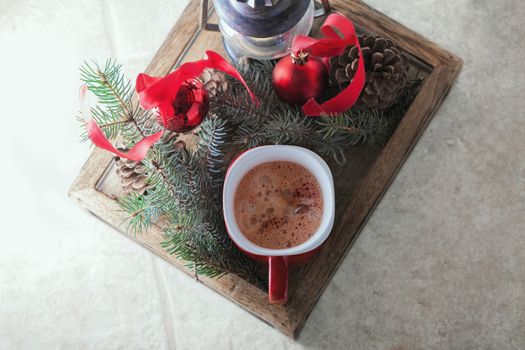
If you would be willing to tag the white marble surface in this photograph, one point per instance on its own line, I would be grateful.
(441, 264)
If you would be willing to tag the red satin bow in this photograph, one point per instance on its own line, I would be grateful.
(160, 93)
(333, 45)
(155, 92)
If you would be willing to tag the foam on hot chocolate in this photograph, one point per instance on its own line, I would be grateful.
(278, 205)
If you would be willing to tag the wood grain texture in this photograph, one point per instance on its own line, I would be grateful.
(371, 169)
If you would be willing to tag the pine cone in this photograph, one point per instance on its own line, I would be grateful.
(132, 175)
(214, 81)
(386, 71)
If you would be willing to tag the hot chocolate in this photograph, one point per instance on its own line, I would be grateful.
(278, 205)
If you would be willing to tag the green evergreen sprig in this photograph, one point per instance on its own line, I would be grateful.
(276, 122)
(115, 113)
(142, 212)
(181, 181)
(108, 84)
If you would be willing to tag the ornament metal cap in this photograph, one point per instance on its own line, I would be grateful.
(300, 57)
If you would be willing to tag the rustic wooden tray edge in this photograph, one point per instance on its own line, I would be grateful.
(290, 318)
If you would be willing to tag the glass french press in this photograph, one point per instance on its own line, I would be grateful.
(262, 29)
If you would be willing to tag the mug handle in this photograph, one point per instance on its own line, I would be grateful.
(278, 279)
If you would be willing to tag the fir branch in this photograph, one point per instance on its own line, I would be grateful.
(142, 212)
(275, 122)
(197, 181)
(181, 182)
(333, 147)
(177, 243)
(352, 128)
(288, 127)
(192, 239)
(115, 113)
(179, 179)
(236, 104)
(109, 85)
(210, 147)
(249, 136)
(168, 191)
(258, 74)
(110, 123)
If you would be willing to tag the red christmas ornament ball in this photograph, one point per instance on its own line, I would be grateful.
(298, 78)
(190, 107)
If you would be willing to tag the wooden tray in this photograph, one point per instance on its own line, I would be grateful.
(360, 184)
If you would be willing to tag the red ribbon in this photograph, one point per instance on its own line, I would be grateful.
(158, 93)
(161, 92)
(333, 44)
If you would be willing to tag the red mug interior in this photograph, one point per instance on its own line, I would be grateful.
(278, 258)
